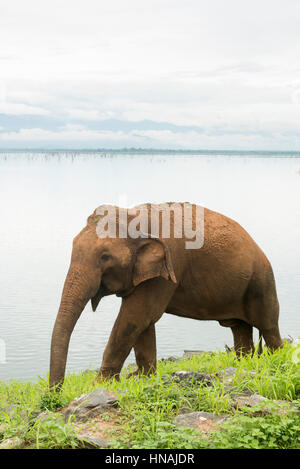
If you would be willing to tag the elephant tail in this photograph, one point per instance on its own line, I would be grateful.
(260, 346)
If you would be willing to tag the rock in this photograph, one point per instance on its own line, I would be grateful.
(286, 407)
(228, 371)
(267, 405)
(92, 442)
(42, 416)
(203, 421)
(169, 359)
(191, 353)
(229, 374)
(190, 378)
(90, 405)
(82, 414)
(99, 396)
(249, 401)
(12, 443)
(234, 391)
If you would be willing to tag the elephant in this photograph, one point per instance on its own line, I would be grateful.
(227, 279)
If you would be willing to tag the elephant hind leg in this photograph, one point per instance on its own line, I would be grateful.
(242, 338)
(242, 335)
(262, 309)
(272, 337)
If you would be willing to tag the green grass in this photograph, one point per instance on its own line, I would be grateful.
(148, 407)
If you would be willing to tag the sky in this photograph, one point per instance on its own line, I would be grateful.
(163, 74)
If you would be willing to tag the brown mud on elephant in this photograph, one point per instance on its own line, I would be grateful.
(227, 279)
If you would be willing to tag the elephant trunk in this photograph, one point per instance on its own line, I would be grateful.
(76, 293)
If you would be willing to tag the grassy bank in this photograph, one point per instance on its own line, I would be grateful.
(148, 406)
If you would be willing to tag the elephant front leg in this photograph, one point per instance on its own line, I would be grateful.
(134, 324)
(145, 352)
(243, 338)
(122, 338)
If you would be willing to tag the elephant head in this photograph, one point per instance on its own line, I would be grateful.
(101, 267)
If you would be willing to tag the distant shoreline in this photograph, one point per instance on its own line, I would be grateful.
(153, 151)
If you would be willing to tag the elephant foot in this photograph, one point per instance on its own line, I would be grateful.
(243, 338)
(56, 388)
(106, 373)
(141, 372)
(134, 373)
(272, 338)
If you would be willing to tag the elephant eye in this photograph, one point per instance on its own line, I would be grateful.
(105, 257)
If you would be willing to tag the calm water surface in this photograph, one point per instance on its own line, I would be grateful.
(45, 199)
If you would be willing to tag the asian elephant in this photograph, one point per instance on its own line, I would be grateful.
(227, 279)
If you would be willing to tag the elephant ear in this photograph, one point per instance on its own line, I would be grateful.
(153, 260)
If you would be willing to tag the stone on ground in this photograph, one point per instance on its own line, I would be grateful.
(202, 421)
(12, 443)
(89, 405)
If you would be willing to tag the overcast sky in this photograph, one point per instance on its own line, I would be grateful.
(190, 74)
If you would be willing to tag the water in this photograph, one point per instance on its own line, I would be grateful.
(45, 199)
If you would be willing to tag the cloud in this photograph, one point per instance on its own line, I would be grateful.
(76, 136)
(214, 68)
(21, 109)
(89, 114)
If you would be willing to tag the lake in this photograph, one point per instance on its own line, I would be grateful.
(46, 197)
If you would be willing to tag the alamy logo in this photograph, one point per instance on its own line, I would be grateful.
(166, 220)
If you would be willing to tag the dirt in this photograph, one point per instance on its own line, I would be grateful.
(101, 426)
